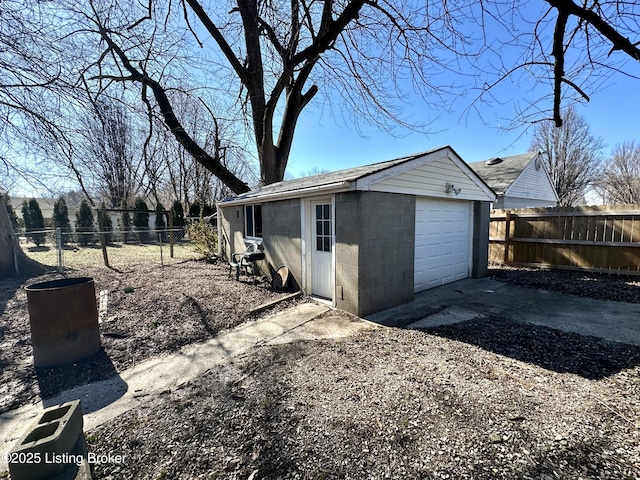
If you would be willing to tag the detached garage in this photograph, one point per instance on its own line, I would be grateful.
(367, 238)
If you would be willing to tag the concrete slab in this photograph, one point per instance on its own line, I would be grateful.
(614, 321)
(326, 327)
(448, 316)
(303, 322)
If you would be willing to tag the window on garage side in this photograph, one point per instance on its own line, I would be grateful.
(253, 221)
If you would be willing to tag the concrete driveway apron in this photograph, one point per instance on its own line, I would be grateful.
(478, 298)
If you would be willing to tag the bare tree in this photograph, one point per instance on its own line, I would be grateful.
(11, 255)
(174, 174)
(271, 59)
(597, 30)
(29, 75)
(109, 159)
(572, 155)
(620, 181)
(315, 170)
(25, 69)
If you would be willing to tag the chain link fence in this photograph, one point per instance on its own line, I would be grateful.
(116, 249)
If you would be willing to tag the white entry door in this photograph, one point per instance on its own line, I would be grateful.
(443, 242)
(322, 250)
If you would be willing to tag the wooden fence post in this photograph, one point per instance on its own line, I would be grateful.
(507, 234)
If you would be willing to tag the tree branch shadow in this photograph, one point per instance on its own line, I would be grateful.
(59, 384)
(556, 350)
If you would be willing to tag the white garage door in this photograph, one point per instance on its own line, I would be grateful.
(443, 242)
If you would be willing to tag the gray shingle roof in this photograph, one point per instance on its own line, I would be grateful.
(501, 175)
(325, 179)
(45, 204)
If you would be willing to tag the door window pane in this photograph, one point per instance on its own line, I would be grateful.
(323, 228)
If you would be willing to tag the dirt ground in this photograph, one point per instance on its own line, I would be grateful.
(484, 399)
(151, 310)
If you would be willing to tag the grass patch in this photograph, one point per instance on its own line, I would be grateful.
(120, 255)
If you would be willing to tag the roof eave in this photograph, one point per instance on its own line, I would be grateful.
(330, 188)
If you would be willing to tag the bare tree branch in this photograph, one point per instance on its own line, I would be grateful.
(558, 68)
(620, 181)
(618, 41)
(572, 155)
(213, 164)
(586, 17)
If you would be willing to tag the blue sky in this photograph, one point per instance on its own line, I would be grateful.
(320, 142)
(612, 114)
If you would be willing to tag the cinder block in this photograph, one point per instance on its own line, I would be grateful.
(40, 452)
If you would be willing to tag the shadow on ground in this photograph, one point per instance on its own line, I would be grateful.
(552, 349)
(58, 384)
(17, 378)
(599, 286)
(8, 288)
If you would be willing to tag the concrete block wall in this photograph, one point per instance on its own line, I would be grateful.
(375, 242)
(231, 228)
(348, 223)
(281, 234)
(387, 250)
(480, 254)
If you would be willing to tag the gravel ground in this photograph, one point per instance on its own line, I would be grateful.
(481, 400)
(618, 288)
(386, 404)
(151, 310)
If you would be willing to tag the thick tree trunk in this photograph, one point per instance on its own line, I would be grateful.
(7, 267)
(7, 244)
(271, 165)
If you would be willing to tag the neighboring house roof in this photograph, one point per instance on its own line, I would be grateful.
(522, 180)
(45, 204)
(500, 175)
(358, 178)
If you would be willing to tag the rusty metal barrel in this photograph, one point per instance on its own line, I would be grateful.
(64, 321)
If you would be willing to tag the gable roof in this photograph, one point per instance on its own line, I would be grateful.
(322, 180)
(341, 180)
(501, 174)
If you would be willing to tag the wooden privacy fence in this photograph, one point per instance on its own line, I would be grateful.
(600, 239)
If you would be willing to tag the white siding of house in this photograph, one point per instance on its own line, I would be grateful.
(531, 184)
(515, 202)
(430, 180)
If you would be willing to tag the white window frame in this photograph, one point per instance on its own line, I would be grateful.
(252, 209)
